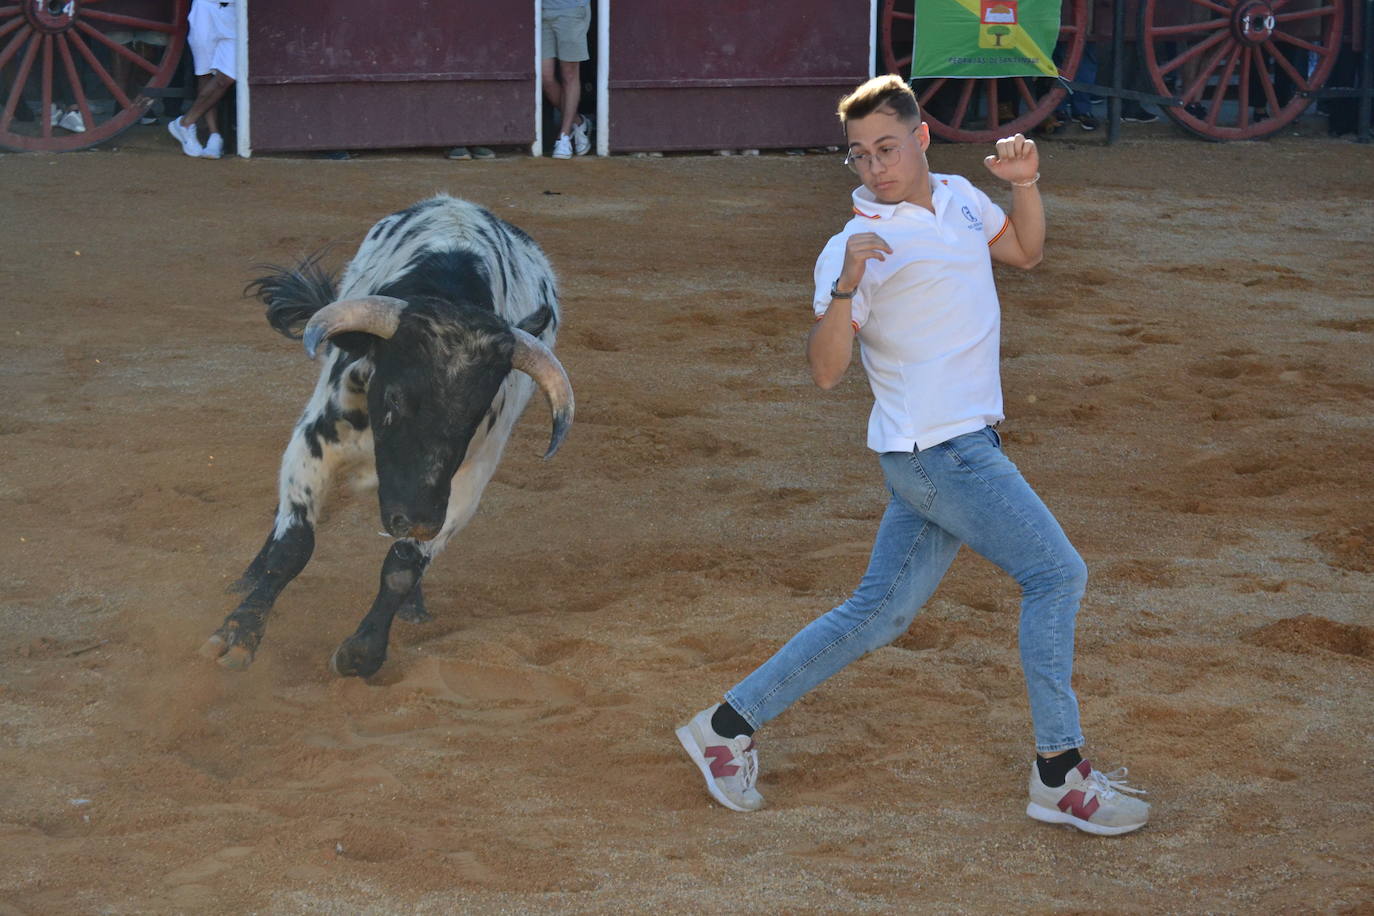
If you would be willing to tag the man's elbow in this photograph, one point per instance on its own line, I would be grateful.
(1027, 261)
(825, 380)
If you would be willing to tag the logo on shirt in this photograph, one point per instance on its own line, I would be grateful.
(975, 222)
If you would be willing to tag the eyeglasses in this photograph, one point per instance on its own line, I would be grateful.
(888, 155)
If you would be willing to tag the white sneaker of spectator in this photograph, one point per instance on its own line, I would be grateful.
(214, 147)
(55, 115)
(186, 136)
(582, 143)
(72, 121)
(562, 147)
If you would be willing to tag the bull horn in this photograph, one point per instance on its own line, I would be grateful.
(375, 315)
(537, 361)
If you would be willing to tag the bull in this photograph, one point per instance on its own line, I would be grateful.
(419, 340)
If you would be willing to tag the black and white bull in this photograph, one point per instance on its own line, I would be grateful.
(419, 338)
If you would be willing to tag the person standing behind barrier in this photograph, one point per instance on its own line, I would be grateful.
(213, 27)
(564, 25)
(910, 276)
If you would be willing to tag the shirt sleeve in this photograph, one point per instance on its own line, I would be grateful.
(995, 222)
(828, 267)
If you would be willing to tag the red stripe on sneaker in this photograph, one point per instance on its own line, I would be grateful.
(1078, 804)
(720, 761)
(1084, 769)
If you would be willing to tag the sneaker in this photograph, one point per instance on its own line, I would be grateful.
(730, 765)
(54, 116)
(214, 147)
(1089, 800)
(1087, 122)
(562, 147)
(72, 121)
(186, 136)
(1139, 115)
(582, 143)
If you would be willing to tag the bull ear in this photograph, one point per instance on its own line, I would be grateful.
(538, 362)
(375, 315)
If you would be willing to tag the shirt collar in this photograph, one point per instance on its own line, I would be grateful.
(868, 208)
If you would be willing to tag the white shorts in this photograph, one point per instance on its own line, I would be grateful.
(213, 27)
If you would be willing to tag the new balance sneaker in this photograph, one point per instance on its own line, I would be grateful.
(562, 147)
(730, 765)
(582, 141)
(214, 147)
(186, 136)
(1089, 800)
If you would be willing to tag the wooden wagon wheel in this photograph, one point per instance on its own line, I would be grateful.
(47, 45)
(1242, 68)
(975, 110)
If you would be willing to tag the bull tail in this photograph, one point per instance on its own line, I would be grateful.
(294, 294)
(535, 322)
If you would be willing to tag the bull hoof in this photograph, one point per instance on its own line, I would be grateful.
(355, 658)
(231, 656)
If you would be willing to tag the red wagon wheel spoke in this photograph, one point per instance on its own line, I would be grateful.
(99, 71)
(21, 77)
(132, 21)
(1305, 14)
(7, 10)
(1296, 42)
(1190, 27)
(1270, 96)
(1223, 84)
(994, 116)
(965, 95)
(934, 87)
(10, 26)
(1024, 91)
(1243, 93)
(116, 47)
(1195, 51)
(1214, 7)
(13, 47)
(1279, 59)
(43, 119)
(1195, 89)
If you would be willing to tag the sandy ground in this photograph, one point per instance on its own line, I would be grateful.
(1189, 384)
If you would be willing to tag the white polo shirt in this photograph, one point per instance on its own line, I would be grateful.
(928, 320)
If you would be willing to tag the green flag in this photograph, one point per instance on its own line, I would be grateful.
(985, 38)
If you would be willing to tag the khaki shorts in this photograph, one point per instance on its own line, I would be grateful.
(565, 33)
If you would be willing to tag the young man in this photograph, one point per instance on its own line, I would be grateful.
(911, 277)
(564, 26)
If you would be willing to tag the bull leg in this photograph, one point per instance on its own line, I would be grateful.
(363, 653)
(329, 435)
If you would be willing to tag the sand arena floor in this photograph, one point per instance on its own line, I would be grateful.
(1189, 385)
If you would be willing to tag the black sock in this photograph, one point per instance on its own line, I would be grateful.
(729, 724)
(1054, 769)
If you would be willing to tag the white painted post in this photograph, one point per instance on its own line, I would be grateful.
(244, 139)
(538, 148)
(603, 77)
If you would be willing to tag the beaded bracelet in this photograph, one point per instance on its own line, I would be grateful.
(1026, 184)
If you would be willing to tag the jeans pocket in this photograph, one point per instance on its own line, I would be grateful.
(994, 435)
(907, 480)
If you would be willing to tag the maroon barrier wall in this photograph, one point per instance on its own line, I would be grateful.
(351, 74)
(722, 74)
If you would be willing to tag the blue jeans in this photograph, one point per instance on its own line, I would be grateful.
(964, 491)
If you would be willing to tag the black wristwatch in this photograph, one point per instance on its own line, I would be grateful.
(835, 291)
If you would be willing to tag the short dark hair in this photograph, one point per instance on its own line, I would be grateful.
(889, 92)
